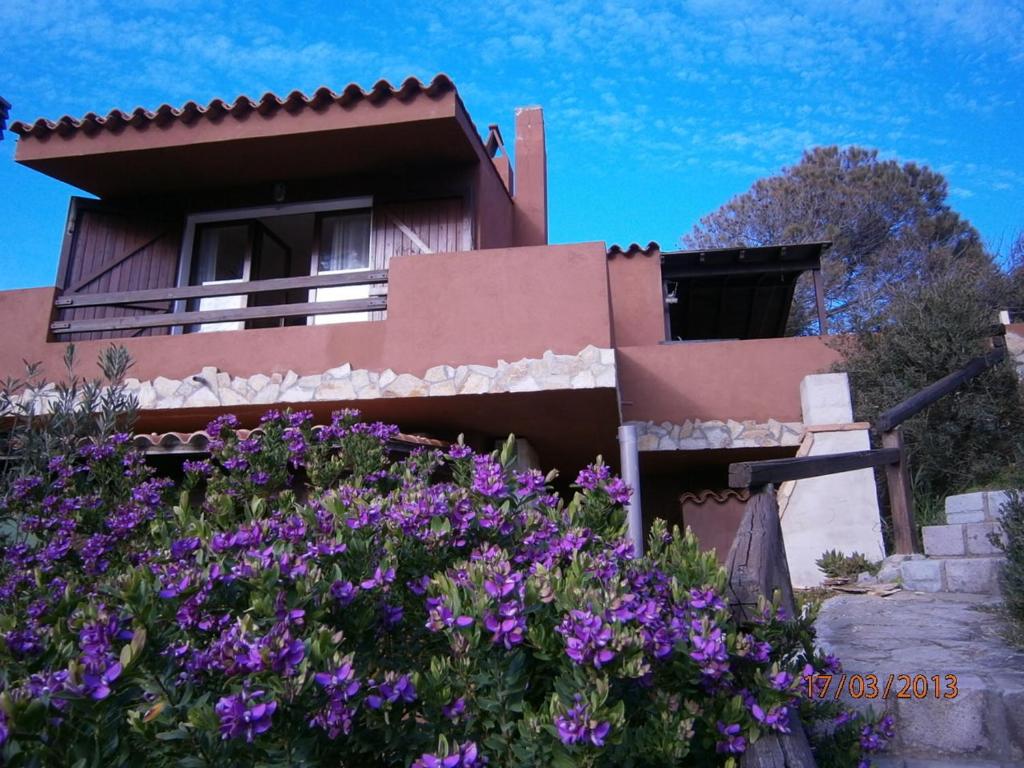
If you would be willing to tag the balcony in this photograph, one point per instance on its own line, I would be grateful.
(162, 307)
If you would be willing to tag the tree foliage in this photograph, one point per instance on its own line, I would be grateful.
(929, 329)
(888, 222)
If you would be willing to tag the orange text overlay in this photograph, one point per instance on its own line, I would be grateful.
(891, 686)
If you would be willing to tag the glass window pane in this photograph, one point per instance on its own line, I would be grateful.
(344, 242)
(222, 252)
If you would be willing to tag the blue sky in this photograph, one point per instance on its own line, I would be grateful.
(656, 112)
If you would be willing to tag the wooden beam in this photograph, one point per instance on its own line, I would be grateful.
(923, 398)
(362, 277)
(220, 315)
(854, 426)
(670, 272)
(753, 474)
(901, 496)
(819, 300)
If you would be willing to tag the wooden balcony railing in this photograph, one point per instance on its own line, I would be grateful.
(167, 316)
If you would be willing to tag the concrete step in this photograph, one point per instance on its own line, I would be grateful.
(977, 575)
(962, 539)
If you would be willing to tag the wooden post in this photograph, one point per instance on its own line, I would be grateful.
(757, 558)
(901, 497)
(819, 300)
(757, 567)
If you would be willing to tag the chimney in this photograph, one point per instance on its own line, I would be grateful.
(531, 178)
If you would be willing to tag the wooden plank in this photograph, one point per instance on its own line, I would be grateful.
(925, 397)
(408, 232)
(901, 496)
(819, 301)
(220, 315)
(854, 426)
(364, 277)
(752, 474)
(757, 567)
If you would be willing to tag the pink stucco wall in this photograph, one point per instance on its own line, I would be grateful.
(455, 308)
(757, 379)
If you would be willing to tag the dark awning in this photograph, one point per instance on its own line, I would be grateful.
(735, 293)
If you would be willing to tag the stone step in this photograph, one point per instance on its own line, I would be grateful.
(977, 575)
(961, 539)
(981, 721)
(977, 507)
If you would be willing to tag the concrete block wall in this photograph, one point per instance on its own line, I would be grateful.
(961, 555)
(837, 511)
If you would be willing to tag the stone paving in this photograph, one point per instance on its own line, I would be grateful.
(935, 634)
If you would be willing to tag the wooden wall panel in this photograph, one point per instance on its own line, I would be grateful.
(440, 224)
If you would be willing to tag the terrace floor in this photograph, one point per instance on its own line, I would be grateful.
(913, 633)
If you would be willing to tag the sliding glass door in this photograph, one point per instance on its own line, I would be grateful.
(342, 243)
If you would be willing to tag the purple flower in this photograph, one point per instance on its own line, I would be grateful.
(394, 688)
(242, 715)
(508, 625)
(587, 638)
(781, 680)
(97, 686)
(576, 726)
(440, 616)
(709, 650)
(343, 591)
(617, 489)
(592, 476)
(459, 451)
(380, 579)
(488, 477)
(465, 756)
(455, 709)
(182, 548)
(732, 742)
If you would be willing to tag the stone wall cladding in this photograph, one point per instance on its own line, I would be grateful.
(697, 435)
(591, 368)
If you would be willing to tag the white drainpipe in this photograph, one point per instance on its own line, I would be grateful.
(630, 458)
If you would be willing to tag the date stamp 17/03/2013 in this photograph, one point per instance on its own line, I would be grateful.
(889, 686)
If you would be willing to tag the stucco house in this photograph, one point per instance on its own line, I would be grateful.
(373, 249)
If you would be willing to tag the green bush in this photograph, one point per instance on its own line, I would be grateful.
(1012, 575)
(43, 420)
(836, 565)
(303, 600)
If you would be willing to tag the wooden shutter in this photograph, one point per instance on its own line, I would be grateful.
(111, 248)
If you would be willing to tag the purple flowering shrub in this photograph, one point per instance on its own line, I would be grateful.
(304, 599)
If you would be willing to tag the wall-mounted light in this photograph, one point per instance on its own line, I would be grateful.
(671, 293)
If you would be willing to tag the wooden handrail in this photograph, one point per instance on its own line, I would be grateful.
(753, 474)
(928, 395)
(220, 315)
(362, 277)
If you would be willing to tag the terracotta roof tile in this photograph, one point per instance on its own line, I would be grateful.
(634, 249)
(217, 109)
(199, 441)
(718, 497)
